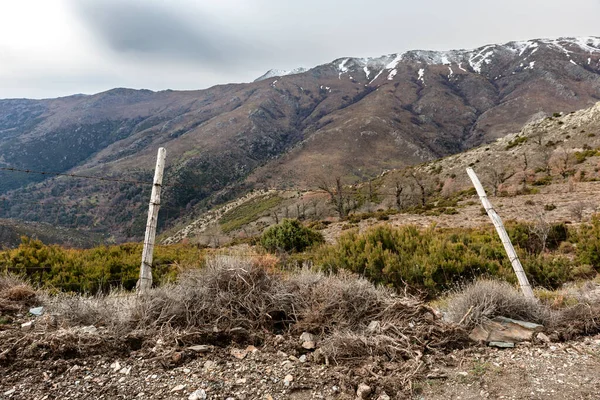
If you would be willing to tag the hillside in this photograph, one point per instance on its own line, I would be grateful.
(352, 118)
(548, 172)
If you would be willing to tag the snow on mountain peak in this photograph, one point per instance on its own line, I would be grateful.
(476, 59)
(279, 72)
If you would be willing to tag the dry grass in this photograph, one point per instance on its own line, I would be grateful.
(15, 293)
(485, 299)
(352, 318)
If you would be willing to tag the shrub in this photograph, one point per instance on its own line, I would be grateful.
(93, 270)
(516, 142)
(487, 299)
(290, 236)
(430, 260)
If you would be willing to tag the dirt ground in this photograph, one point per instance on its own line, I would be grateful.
(276, 370)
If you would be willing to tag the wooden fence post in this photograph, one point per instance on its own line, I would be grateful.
(497, 221)
(145, 281)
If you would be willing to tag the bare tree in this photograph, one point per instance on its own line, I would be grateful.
(398, 195)
(337, 197)
(540, 229)
(496, 177)
(421, 182)
(561, 161)
(577, 209)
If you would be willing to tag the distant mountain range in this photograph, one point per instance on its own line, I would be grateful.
(352, 118)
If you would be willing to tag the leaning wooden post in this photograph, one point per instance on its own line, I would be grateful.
(145, 281)
(497, 221)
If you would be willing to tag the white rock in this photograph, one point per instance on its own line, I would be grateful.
(302, 358)
(288, 379)
(115, 366)
(308, 337)
(178, 388)
(199, 394)
(91, 330)
(383, 396)
(27, 326)
(125, 370)
(363, 391)
(9, 392)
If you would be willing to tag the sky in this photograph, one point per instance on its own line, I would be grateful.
(52, 48)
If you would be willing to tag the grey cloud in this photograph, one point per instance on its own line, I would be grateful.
(151, 29)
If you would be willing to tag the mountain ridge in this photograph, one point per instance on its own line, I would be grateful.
(351, 118)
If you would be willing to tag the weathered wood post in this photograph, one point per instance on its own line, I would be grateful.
(145, 281)
(497, 221)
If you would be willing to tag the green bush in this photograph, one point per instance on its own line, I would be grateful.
(430, 260)
(93, 270)
(290, 236)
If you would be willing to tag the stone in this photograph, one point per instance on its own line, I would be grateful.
(502, 345)
(9, 392)
(383, 396)
(279, 339)
(37, 311)
(208, 365)
(302, 358)
(363, 391)
(308, 345)
(238, 353)
(201, 348)
(544, 338)
(125, 370)
(199, 394)
(288, 380)
(177, 357)
(308, 337)
(27, 326)
(374, 326)
(178, 388)
(501, 329)
(115, 366)
(90, 330)
(251, 349)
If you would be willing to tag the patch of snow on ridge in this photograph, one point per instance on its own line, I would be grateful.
(392, 74)
(522, 47)
(367, 72)
(342, 68)
(421, 75)
(279, 72)
(391, 65)
(590, 44)
(478, 59)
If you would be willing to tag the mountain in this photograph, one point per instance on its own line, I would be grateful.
(352, 118)
(548, 172)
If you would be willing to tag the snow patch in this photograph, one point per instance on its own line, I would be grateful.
(392, 74)
(421, 75)
(477, 60)
(279, 72)
(342, 68)
(367, 72)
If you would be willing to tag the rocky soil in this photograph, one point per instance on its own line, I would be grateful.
(276, 371)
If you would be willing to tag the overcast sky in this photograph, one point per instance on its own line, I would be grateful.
(51, 48)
